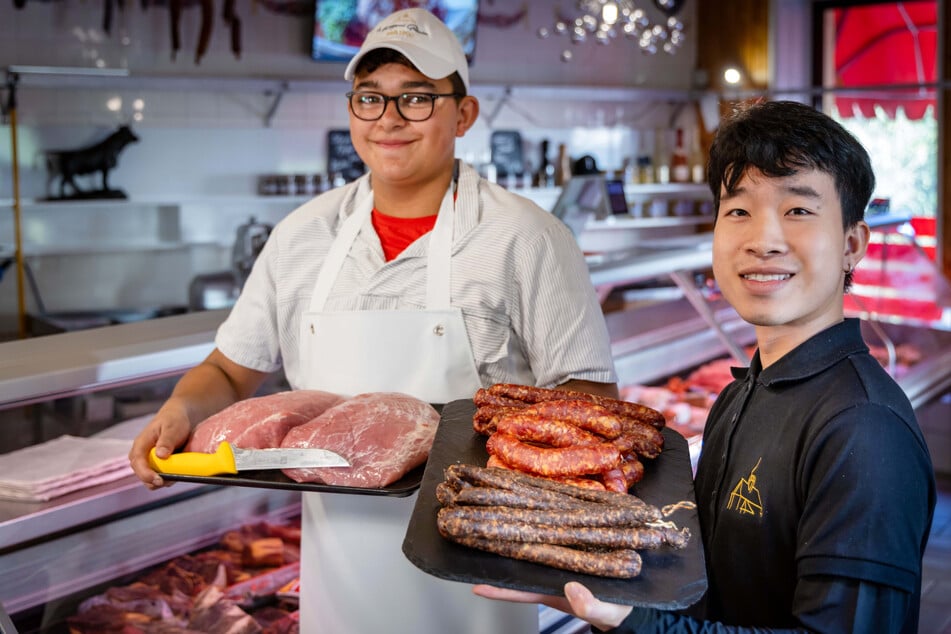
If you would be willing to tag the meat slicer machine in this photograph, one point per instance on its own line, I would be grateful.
(220, 289)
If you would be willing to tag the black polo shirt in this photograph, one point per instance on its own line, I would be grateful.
(813, 467)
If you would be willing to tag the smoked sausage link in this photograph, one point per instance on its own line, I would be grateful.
(559, 461)
(484, 397)
(536, 428)
(622, 409)
(633, 470)
(584, 414)
(484, 420)
(644, 440)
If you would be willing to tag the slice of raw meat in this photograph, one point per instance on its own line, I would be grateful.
(261, 422)
(382, 434)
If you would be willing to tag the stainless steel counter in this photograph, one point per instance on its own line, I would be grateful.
(43, 368)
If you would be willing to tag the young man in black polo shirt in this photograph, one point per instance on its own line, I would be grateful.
(815, 488)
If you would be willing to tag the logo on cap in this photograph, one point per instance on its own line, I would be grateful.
(410, 26)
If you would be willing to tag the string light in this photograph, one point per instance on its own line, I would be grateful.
(606, 20)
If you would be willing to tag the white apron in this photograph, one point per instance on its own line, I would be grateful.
(354, 576)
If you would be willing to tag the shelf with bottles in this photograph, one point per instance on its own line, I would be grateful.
(88, 227)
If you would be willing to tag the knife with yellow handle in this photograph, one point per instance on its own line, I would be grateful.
(229, 459)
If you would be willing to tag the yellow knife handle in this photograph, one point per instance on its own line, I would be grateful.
(194, 463)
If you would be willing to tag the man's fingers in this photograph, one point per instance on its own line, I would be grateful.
(138, 458)
(587, 607)
(519, 596)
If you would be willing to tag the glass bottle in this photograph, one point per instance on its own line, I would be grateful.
(661, 158)
(679, 162)
(698, 162)
(563, 169)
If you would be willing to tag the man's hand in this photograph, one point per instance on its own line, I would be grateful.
(166, 432)
(578, 601)
(599, 389)
(209, 387)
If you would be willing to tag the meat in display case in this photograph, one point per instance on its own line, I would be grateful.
(66, 400)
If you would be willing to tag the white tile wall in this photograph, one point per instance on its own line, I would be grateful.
(205, 139)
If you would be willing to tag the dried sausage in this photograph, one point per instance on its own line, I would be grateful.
(558, 461)
(621, 564)
(445, 493)
(490, 496)
(174, 19)
(590, 516)
(207, 23)
(513, 480)
(454, 521)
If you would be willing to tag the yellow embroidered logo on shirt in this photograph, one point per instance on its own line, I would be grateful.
(745, 498)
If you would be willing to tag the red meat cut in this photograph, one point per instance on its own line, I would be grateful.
(261, 422)
(382, 434)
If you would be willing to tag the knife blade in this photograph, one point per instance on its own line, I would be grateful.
(229, 459)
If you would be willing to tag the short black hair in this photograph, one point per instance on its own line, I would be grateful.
(382, 56)
(780, 138)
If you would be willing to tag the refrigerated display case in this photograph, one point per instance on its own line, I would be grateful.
(103, 383)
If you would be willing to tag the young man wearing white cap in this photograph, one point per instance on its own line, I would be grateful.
(344, 296)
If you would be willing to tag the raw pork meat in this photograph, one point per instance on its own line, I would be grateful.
(262, 422)
(382, 434)
(214, 614)
(713, 376)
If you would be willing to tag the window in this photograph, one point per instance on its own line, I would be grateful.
(880, 60)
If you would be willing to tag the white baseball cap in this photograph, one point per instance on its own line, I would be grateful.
(423, 39)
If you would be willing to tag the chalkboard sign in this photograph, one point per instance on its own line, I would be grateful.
(341, 157)
(507, 152)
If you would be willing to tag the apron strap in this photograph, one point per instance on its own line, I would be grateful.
(438, 273)
(338, 253)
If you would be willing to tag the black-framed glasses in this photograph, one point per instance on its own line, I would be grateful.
(412, 106)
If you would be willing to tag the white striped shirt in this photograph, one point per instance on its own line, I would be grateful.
(518, 276)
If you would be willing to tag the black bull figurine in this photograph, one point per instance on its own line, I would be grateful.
(101, 157)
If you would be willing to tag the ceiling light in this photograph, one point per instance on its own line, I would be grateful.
(607, 20)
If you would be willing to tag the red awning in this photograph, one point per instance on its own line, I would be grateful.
(886, 44)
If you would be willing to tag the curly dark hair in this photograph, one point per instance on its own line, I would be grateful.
(381, 56)
(780, 138)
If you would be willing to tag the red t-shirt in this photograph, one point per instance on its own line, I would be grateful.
(398, 233)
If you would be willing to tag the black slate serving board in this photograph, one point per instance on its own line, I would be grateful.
(670, 579)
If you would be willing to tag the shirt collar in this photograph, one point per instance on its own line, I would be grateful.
(809, 358)
(466, 207)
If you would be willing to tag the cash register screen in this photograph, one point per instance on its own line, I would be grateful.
(616, 196)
